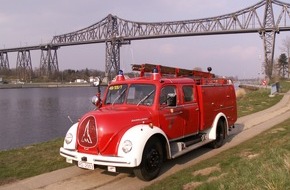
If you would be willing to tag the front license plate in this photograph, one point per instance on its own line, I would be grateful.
(68, 160)
(111, 169)
(86, 165)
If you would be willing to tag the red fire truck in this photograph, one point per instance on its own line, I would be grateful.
(141, 122)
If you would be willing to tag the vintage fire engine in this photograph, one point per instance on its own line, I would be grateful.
(143, 121)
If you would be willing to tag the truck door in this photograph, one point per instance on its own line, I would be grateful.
(170, 117)
(190, 110)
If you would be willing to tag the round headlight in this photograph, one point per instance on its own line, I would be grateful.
(68, 138)
(127, 146)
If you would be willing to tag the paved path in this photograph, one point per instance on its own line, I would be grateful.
(74, 178)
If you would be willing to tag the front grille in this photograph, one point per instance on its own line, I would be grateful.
(87, 133)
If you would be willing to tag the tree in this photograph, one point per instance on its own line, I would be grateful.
(286, 45)
(286, 48)
(283, 65)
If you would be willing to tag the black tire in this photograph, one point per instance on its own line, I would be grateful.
(220, 135)
(152, 159)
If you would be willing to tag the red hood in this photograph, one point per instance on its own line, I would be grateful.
(100, 131)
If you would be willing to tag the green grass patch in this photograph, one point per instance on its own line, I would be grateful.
(260, 163)
(255, 101)
(284, 86)
(30, 161)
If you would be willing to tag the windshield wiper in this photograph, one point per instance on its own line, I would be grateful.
(147, 96)
(119, 96)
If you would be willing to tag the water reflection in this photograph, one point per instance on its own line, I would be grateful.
(35, 115)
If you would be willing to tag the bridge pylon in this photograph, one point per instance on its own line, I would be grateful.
(23, 65)
(4, 62)
(48, 61)
(269, 38)
(113, 46)
(113, 58)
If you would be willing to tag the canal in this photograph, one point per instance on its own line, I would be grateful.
(33, 115)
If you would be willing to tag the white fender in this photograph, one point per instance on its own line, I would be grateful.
(73, 131)
(138, 135)
(212, 130)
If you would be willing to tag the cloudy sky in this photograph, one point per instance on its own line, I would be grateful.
(32, 22)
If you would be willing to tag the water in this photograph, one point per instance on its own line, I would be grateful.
(33, 115)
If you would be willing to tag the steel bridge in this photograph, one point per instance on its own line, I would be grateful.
(266, 18)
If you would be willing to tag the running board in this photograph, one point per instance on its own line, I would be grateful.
(178, 148)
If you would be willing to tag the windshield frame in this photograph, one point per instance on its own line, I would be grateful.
(131, 94)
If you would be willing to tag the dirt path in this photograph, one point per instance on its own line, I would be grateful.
(74, 178)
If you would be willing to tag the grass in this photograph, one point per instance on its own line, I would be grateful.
(232, 168)
(260, 163)
(30, 161)
(255, 101)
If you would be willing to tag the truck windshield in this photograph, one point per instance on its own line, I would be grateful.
(138, 94)
(116, 94)
(141, 94)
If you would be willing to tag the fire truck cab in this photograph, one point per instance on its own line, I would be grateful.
(143, 121)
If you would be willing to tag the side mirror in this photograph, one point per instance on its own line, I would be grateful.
(171, 99)
(95, 100)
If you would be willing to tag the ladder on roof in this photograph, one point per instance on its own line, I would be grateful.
(165, 70)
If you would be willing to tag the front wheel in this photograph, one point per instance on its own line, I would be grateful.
(152, 159)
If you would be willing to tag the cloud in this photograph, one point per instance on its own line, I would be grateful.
(167, 49)
(237, 51)
(237, 60)
(4, 19)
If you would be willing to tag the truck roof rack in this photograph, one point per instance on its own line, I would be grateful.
(165, 70)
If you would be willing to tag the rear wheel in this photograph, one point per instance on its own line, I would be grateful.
(152, 160)
(220, 135)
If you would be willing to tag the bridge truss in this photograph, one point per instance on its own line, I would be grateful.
(266, 18)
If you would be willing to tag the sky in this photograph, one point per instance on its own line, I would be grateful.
(33, 22)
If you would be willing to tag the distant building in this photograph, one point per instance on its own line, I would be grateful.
(93, 79)
(80, 81)
(17, 81)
